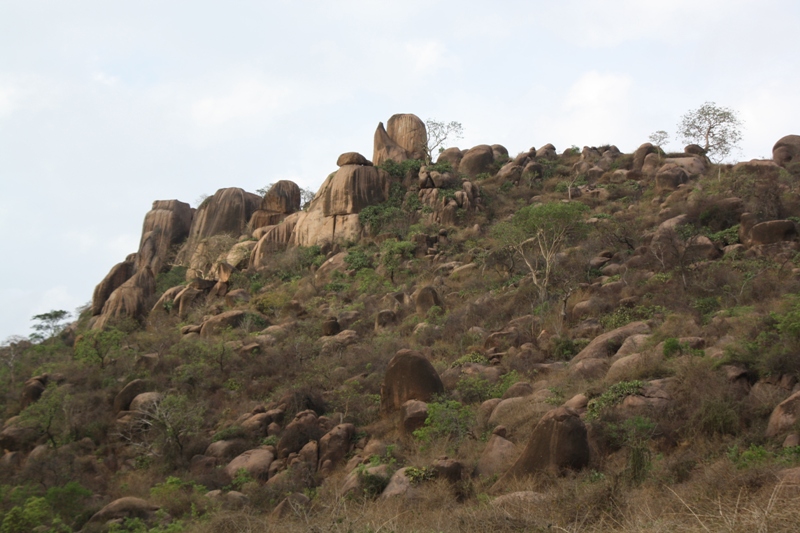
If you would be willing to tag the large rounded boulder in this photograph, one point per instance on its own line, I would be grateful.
(477, 160)
(409, 376)
(786, 150)
(558, 443)
(282, 199)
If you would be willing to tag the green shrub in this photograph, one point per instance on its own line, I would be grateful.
(419, 475)
(625, 315)
(447, 419)
(233, 432)
(611, 397)
(357, 259)
(172, 278)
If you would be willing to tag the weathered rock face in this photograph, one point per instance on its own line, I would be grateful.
(386, 148)
(129, 300)
(282, 199)
(333, 214)
(409, 376)
(558, 443)
(274, 238)
(165, 225)
(786, 150)
(228, 211)
(352, 188)
(409, 132)
(119, 274)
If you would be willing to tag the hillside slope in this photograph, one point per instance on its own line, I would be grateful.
(588, 341)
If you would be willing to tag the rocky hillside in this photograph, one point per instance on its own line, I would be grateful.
(583, 341)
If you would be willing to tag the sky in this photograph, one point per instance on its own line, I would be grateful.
(106, 106)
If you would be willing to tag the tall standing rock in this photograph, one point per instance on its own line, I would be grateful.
(385, 148)
(404, 137)
(165, 225)
(119, 274)
(409, 132)
(129, 300)
(409, 376)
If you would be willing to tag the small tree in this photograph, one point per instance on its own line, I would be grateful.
(98, 346)
(49, 324)
(716, 129)
(537, 233)
(48, 415)
(659, 138)
(438, 134)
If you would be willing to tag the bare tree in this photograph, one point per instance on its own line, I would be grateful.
(438, 134)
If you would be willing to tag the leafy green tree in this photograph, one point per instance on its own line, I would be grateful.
(717, 129)
(98, 346)
(166, 426)
(393, 252)
(49, 324)
(537, 233)
(49, 415)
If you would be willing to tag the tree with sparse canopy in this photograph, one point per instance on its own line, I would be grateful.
(537, 233)
(49, 324)
(716, 129)
(438, 134)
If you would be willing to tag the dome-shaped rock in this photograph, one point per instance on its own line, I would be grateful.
(409, 376)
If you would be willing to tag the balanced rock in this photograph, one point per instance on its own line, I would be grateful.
(352, 158)
(409, 376)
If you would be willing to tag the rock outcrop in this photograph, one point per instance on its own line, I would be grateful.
(333, 213)
(786, 150)
(282, 199)
(129, 300)
(406, 138)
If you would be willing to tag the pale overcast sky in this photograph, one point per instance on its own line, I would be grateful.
(106, 105)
